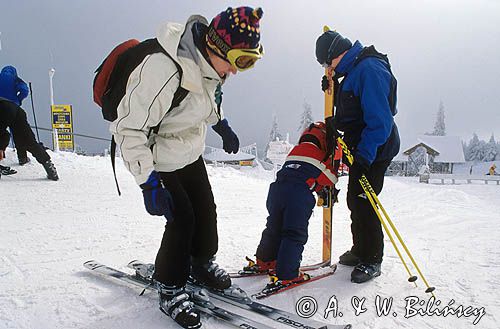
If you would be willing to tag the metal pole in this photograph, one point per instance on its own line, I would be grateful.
(52, 71)
(55, 139)
(34, 114)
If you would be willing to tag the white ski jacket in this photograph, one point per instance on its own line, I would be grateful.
(150, 89)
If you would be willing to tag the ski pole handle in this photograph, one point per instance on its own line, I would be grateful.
(345, 149)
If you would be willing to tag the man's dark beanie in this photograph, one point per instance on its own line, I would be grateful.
(330, 45)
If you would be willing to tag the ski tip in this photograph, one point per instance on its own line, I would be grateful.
(92, 264)
(326, 28)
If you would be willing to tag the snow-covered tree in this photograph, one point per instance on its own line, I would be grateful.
(274, 130)
(306, 118)
(490, 149)
(274, 134)
(416, 160)
(475, 149)
(439, 125)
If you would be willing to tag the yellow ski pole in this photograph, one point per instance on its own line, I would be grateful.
(364, 184)
(377, 201)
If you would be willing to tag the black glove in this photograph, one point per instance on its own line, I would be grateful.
(157, 198)
(230, 142)
(325, 83)
(360, 165)
(331, 136)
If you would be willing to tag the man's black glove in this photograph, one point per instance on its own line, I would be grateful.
(325, 83)
(360, 165)
(331, 136)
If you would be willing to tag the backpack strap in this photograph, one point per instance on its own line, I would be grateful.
(179, 96)
(113, 154)
(372, 52)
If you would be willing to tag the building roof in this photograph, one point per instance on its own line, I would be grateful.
(220, 155)
(278, 151)
(449, 148)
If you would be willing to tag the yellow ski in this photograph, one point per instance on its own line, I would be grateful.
(327, 211)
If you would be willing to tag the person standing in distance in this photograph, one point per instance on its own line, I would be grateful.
(13, 116)
(13, 88)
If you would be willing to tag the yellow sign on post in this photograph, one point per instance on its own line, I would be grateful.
(62, 122)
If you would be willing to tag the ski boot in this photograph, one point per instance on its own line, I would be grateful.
(23, 161)
(258, 267)
(277, 284)
(4, 170)
(51, 170)
(177, 303)
(349, 259)
(365, 271)
(208, 273)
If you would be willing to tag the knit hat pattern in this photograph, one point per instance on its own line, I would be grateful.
(235, 28)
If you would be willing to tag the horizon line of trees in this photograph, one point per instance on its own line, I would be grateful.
(480, 150)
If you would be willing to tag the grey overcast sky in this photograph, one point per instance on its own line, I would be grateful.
(440, 50)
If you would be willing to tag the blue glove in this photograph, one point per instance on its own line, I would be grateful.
(230, 142)
(157, 198)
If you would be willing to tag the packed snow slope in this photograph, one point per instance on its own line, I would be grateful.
(48, 229)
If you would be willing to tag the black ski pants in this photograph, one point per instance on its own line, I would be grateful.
(21, 151)
(366, 229)
(24, 139)
(192, 235)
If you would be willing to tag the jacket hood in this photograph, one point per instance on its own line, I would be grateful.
(177, 40)
(9, 70)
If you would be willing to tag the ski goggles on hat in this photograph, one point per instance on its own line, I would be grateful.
(244, 59)
(241, 59)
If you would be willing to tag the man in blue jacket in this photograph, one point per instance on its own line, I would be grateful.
(14, 89)
(365, 104)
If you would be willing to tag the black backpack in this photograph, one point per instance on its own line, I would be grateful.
(372, 52)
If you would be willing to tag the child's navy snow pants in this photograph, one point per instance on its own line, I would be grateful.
(290, 204)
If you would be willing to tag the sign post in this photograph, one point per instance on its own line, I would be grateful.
(62, 124)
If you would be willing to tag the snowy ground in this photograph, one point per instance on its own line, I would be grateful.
(48, 229)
